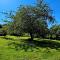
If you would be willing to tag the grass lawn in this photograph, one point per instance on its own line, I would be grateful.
(18, 48)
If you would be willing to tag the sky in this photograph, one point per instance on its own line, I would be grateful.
(12, 5)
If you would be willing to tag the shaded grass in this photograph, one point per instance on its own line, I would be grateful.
(19, 48)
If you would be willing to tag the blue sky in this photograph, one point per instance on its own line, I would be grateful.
(8, 5)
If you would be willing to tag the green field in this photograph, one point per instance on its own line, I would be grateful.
(20, 48)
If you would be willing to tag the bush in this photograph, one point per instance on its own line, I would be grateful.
(3, 32)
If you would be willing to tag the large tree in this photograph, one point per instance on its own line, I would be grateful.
(33, 19)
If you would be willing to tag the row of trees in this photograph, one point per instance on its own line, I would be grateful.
(32, 20)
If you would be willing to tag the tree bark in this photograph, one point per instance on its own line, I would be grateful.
(50, 36)
(31, 36)
(56, 36)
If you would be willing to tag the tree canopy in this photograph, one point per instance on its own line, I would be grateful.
(32, 19)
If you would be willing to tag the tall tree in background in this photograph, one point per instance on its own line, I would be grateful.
(55, 30)
(33, 19)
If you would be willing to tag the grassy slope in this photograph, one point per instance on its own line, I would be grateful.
(8, 50)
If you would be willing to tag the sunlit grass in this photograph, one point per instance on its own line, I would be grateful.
(9, 52)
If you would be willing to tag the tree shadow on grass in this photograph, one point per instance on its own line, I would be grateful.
(31, 44)
(6, 38)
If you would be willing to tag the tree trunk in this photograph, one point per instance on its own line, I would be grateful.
(56, 36)
(31, 36)
(50, 36)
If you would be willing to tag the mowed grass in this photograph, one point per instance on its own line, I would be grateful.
(16, 48)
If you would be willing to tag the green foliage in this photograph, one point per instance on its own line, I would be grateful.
(3, 30)
(55, 30)
(32, 19)
(0, 26)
